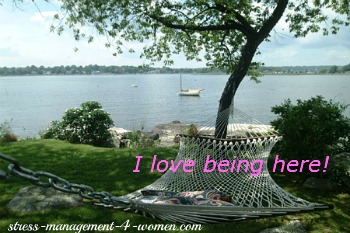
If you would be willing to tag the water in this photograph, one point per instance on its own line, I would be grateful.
(30, 103)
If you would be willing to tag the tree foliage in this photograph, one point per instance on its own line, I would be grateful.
(346, 68)
(219, 29)
(333, 69)
(88, 124)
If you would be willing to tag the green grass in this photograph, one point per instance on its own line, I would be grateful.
(110, 170)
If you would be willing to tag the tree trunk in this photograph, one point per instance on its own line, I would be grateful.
(248, 52)
(231, 87)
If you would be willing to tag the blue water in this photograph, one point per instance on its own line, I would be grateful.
(30, 103)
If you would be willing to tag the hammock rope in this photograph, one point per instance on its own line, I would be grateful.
(253, 191)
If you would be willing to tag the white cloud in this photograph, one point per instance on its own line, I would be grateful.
(315, 49)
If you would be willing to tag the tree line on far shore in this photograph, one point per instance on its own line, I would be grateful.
(101, 69)
(98, 69)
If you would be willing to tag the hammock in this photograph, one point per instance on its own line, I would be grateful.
(247, 184)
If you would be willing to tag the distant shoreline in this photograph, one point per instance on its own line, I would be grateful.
(199, 74)
(122, 70)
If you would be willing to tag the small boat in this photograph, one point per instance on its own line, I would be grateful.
(134, 85)
(188, 92)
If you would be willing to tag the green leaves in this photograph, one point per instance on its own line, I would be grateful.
(312, 16)
(153, 23)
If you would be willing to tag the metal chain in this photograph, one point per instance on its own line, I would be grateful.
(46, 180)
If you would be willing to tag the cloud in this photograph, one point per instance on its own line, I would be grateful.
(317, 40)
(314, 49)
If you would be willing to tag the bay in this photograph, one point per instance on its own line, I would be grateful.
(30, 103)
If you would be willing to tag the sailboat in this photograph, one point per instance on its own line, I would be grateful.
(188, 92)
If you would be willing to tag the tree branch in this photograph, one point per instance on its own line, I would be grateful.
(248, 28)
(169, 24)
(270, 23)
(242, 25)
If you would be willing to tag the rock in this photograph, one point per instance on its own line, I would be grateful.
(167, 141)
(167, 133)
(170, 129)
(117, 142)
(343, 158)
(119, 131)
(124, 143)
(294, 226)
(118, 134)
(318, 183)
(177, 139)
(153, 136)
(3, 175)
(35, 198)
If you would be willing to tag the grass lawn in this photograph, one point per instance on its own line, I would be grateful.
(110, 169)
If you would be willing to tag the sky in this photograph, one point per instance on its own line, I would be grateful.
(25, 40)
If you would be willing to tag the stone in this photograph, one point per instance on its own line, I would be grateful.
(167, 141)
(294, 226)
(35, 198)
(118, 134)
(124, 143)
(3, 174)
(153, 136)
(117, 141)
(321, 184)
(119, 131)
(177, 139)
(170, 129)
(167, 133)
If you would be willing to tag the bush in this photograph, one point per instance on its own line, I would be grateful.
(338, 172)
(192, 130)
(88, 124)
(140, 139)
(6, 134)
(311, 128)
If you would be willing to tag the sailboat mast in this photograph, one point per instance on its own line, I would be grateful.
(180, 82)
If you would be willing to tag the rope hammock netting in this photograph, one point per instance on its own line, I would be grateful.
(242, 189)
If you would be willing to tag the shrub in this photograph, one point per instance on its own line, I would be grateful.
(192, 130)
(338, 172)
(6, 134)
(10, 137)
(140, 139)
(310, 128)
(88, 124)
